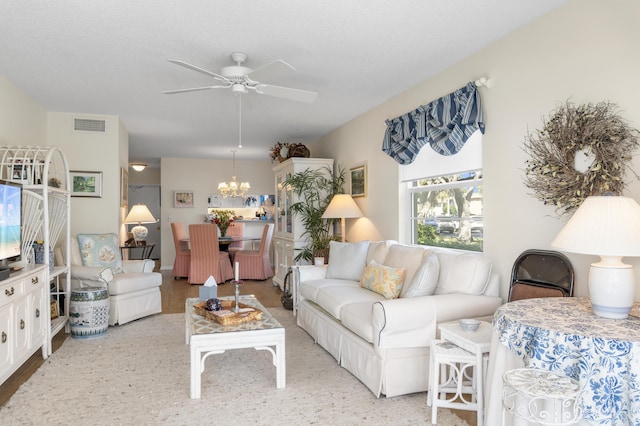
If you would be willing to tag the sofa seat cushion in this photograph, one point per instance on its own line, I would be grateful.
(333, 299)
(134, 281)
(309, 289)
(357, 318)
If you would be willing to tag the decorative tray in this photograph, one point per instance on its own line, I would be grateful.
(226, 316)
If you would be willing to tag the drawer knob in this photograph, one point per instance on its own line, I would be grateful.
(37, 313)
(9, 293)
(4, 337)
(34, 280)
(21, 324)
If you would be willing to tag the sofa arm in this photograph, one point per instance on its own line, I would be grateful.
(309, 272)
(90, 276)
(145, 265)
(404, 323)
(302, 273)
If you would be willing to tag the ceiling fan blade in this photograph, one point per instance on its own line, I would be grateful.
(287, 93)
(198, 69)
(193, 89)
(270, 71)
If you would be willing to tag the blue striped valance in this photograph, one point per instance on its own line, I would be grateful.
(445, 124)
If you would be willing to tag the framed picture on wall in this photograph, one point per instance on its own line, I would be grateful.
(86, 184)
(359, 181)
(183, 199)
(124, 187)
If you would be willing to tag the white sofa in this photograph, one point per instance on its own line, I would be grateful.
(385, 342)
(134, 289)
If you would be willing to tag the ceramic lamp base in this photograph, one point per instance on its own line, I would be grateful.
(611, 289)
(139, 233)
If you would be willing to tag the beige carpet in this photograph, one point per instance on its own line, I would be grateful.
(139, 374)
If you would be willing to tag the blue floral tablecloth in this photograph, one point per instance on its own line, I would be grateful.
(562, 334)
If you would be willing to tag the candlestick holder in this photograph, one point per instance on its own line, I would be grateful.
(237, 283)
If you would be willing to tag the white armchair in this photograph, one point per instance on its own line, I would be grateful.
(133, 293)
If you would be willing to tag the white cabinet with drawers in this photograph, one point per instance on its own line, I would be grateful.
(23, 318)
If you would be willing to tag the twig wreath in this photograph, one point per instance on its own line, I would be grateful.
(581, 151)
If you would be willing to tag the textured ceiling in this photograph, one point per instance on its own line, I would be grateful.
(111, 57)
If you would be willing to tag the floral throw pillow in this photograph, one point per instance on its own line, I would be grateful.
(382, 279)
(100, 250)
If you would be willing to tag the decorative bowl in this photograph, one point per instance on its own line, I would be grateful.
(469, 324)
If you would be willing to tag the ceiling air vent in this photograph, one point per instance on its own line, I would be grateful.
(88, 125)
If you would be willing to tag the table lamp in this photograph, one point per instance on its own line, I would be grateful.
(139, 214)
(341, 207)
(607, 226)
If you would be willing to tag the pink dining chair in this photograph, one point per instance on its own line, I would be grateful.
(206, 257)
(256, 264)
(235, 230)
(183, 254)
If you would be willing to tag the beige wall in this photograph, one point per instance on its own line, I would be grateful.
(89, 151)
(585, 51)
(148, 176)
(22, 120)
(202, 177)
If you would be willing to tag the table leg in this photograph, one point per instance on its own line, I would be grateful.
(196, 373)
(479, 387)
(281, 367)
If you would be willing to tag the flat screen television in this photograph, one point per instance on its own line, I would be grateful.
(10, 221)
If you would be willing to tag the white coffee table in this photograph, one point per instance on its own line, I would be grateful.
(206, 337)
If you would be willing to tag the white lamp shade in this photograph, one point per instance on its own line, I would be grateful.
(342, 206)
(608, 226)
(139, 214)
(603, 225)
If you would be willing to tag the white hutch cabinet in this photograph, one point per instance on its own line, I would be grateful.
(34, 302)
(287, 237)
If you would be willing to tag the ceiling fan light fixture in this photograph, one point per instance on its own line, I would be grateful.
(239, 89)
(138, 167)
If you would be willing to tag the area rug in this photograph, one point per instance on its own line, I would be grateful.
(138, 374)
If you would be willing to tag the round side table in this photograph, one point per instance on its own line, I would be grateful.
(89, 312)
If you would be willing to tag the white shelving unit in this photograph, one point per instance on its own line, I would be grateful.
(44, 174)
(287, 236)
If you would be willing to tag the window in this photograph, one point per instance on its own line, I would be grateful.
(443, 202)
(447, 211)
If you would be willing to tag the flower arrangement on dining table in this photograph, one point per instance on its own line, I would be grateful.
(224, 219)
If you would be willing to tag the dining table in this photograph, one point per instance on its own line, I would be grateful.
(563, 335)
(224, 242)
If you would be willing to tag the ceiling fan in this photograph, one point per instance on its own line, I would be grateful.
(241, 79)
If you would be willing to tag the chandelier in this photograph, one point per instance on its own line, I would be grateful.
(233, 188)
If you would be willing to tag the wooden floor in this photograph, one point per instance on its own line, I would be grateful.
(174, 292)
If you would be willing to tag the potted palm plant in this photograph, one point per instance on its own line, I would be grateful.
(314, 190)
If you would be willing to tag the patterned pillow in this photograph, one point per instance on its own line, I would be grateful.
(384, 280)
(100, 250)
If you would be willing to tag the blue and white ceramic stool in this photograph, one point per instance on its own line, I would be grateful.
(89, 312)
